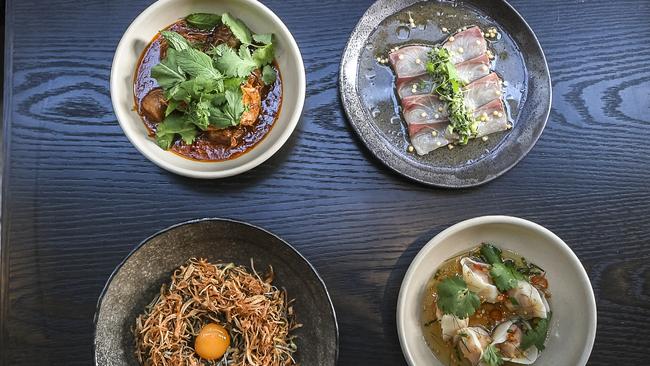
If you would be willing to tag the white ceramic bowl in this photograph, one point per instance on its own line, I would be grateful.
(573, 326)
(163, 13)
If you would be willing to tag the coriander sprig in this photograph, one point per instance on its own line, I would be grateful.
(492, 356)
(454, 297)
(536, 336)
(505, 276)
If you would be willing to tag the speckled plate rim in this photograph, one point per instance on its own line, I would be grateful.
(438, 239)
(377, 144)
(226, 220)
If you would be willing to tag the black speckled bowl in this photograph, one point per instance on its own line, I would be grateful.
(138, 279)
(367, 88)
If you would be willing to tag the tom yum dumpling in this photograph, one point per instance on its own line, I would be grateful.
(487, 307)
(527, 301)
(472, 342)
(477, 277)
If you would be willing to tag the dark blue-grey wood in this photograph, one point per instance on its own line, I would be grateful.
(77, 197)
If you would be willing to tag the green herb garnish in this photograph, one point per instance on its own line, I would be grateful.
(203, 90)
(449, 90)
(204, 21)
(492, 356)
(537, 335)
(455, 298)
(505, 275)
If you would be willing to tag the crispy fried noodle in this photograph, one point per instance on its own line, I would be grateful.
(258, 316)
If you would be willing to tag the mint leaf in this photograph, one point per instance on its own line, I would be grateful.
(197, 64)
(167, 73)
(238, 28)
(492, 356)
(269, 75)
(194, 89)
(232, 64)
(455, 298)
(172, 105)
(263, 38)
(537, 335)
(172, 125)
(205, 21)
(231, 113)
(175, 40)
(264, 55)
(235, 106)
(233, 83)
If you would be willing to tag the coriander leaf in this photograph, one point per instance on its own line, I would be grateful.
(455, 298)
(491, 254)
(167, 73)
(264, 55)
(238, 28)
(263, 38)
(492, 356)
(175, 40)
(269, 75)
(537, 335)
(203, 21)
(197, 64)
(505, 276)
(232, 64)
(172, 125)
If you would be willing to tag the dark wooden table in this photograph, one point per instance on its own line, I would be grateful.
(77, 197)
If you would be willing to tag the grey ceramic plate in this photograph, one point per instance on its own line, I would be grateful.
(367, 90)
(138, 279)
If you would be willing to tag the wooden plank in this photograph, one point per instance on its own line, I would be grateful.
(78, 197)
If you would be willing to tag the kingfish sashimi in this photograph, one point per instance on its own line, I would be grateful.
(426, 115)
(466, 45)
(405, 61)
(468, 71)
(483, 91)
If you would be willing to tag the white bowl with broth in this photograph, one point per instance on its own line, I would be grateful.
(165, 12)
(573, 325)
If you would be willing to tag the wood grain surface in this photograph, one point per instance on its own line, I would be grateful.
(77, 196)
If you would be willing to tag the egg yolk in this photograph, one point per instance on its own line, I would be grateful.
(212, 342)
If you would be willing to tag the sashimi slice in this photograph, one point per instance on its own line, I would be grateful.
(482, 91)
(423, 109)
(425, 140)
(427, 136)
(474, 69)
(422, 84)
(496, 118)
(405, 61)
(466, 45)
(468, 71)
